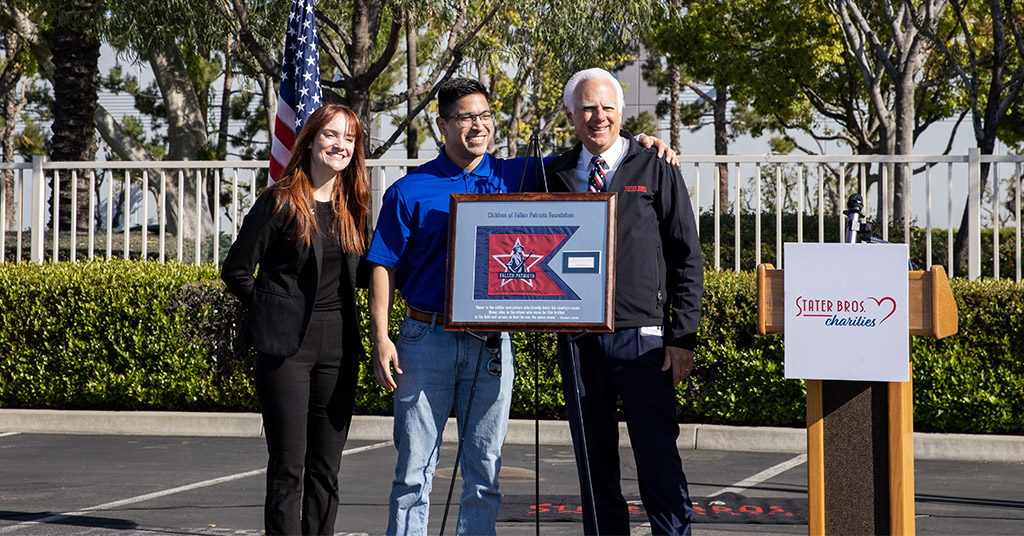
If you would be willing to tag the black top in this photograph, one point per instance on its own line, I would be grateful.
(331, 268)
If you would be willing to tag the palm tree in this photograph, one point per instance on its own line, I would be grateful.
(76, 52)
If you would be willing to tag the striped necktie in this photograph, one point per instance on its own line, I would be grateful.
(595, 184)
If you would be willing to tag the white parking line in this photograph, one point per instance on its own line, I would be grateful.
(762, 476)
(365, 448)
(5, 434)
(166, 492)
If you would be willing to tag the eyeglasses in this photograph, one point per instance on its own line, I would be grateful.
(468, 119)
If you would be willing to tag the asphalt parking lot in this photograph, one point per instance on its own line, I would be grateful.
(135, 485)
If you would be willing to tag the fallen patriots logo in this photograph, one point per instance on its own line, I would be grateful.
(512, 263)
(517, 265)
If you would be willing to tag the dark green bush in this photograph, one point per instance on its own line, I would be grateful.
(738, 375)
(974, 381)
(129, 335)
(100, 336)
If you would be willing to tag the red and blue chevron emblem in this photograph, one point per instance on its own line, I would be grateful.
(512, 262)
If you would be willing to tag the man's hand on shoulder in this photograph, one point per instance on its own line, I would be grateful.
(664, 151)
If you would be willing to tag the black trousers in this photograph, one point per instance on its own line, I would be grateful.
(307, 402)
(627, 365)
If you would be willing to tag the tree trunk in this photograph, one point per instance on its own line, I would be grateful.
(481, 76)
(75, 83)
(269, 96)
(516, 116)
(11, 104)
(225, 101)
(365, 22)
(904, 145)
(722, 147)
(674, 114)
(7, 140)
(887, 146)
(412, 139)
(962, 238)
(186, 134)
(1004, 87)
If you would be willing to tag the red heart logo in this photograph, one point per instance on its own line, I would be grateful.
(879, 302)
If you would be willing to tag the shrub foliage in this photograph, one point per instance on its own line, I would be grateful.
(130, 335)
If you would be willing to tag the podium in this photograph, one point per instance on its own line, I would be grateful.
(860, 450)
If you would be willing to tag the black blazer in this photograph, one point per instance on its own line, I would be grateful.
(281, 296)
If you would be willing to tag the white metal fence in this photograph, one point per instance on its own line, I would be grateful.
(126, 212)
(127, 201)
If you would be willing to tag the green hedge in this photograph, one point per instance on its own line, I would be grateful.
(115, 335)
(974, 381)
(128, 335)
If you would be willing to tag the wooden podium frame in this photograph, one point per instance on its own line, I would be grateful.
(932, 312)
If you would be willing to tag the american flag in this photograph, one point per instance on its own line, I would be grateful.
(300, 83)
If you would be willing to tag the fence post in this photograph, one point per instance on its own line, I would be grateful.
(378, 179)
(974, 213)
(38, 232)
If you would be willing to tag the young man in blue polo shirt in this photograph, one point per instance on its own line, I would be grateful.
(434, 369)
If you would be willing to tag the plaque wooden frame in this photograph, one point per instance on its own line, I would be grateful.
(458, 225)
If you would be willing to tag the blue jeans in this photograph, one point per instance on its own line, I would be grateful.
(438, 369)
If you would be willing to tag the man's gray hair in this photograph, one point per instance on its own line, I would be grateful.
(569, 94)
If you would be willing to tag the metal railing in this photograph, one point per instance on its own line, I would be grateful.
(953, 179)
(770, 190)
(140, 191)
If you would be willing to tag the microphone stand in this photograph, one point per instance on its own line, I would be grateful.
(532, 149)
(533, 153)
(584, 456)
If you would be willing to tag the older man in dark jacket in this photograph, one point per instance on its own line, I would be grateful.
(657, 307)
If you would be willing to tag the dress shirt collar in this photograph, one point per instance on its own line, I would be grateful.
(612, 157)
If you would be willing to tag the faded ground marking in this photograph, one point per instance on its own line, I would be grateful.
(768, 473)
(164, 493)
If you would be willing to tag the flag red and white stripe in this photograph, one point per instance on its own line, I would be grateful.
(300, 83)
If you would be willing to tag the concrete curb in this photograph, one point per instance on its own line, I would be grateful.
(159, 423)
(964, 447)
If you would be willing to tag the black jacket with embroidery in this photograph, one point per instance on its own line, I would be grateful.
(659, 270)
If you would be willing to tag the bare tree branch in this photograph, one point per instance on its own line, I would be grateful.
(385, 58)
(334, 52)
(245, 36)
(380, 150)
(345, 37)
(29, 31)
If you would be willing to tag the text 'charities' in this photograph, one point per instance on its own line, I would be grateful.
(860, 313)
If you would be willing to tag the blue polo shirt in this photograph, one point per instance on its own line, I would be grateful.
(412, 229)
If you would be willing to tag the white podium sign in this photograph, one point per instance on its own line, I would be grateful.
(846, 312)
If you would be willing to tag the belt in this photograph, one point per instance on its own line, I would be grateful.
(429, 318)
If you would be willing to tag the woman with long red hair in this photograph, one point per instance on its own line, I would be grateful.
(306, 233)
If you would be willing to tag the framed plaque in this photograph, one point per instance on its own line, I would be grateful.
(531, 262)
